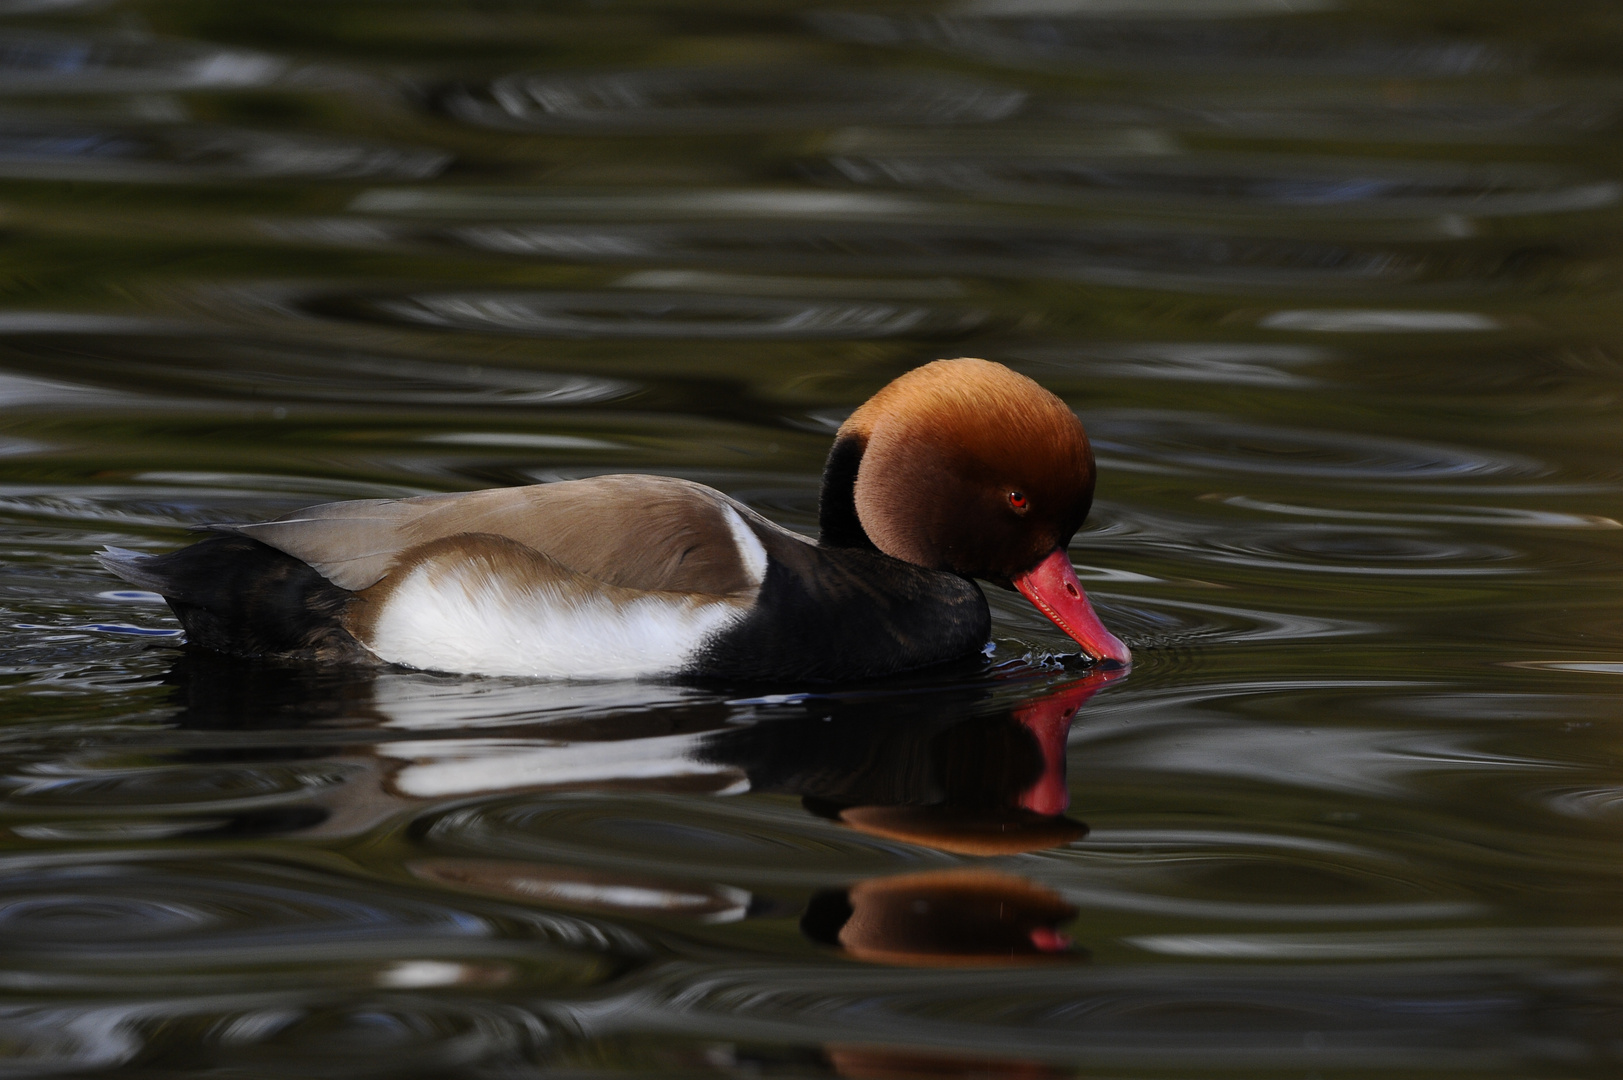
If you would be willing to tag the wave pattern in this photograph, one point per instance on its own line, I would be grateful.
(1333, 287)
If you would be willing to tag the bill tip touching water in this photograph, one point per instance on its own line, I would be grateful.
(957, 470)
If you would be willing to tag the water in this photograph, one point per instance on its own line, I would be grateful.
(1334, 286)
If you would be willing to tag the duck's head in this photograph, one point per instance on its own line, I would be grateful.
(968, 467)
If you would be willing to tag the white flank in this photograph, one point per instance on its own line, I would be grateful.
(750, 549)
(461, 619)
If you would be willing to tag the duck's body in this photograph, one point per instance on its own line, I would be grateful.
(639, 576)
(611, 577)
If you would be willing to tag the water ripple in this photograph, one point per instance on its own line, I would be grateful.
(1542, 942)
(1210, 443)
(1386, 553)
(1353, 188)
(724, 99)
(1104, 255)
(1355, 547)
(1170, 624)
(204, 365)
(170, 499)
(1231, 364)
(736, 841)
(1110, 1018)
(1439, 514)
(63, 1038)
(278, 1034)
(1376, 761)
(1353, 811)
(40, 63)
(656, 315)
(1172, 46)
(1439, 120)
(381, 1037)
(233, 911)
(194, 153)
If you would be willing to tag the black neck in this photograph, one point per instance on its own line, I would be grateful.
(837, 507)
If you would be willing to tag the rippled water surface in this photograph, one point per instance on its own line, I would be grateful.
(1334, 284)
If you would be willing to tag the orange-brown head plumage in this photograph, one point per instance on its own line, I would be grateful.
(969, 467)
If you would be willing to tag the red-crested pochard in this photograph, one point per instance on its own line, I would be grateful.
(959, 469)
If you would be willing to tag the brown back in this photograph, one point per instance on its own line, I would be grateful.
(631, 531)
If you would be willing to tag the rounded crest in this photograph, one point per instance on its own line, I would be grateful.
(970, 467)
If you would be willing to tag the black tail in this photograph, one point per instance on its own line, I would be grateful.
(235, 595)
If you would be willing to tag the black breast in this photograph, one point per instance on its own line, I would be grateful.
(836, 614)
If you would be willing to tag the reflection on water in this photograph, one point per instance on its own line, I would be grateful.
(711, 99)
(1371, 190)
(34, 62)
(1333, 285)
(664, 315)
(951, 918)
(1109, 255)
(196, 154)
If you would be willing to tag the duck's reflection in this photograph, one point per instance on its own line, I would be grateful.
(900, 1063)
(964, 772)
(988, 784)
(954, 918)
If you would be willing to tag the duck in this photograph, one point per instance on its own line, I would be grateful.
(957, 470)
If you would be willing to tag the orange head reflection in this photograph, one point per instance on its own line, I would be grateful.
(954, 918)
(900, 1063)
(1025, 816)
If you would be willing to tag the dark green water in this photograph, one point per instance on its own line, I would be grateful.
(1335, 287)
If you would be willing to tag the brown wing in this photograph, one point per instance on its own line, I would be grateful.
(635, 532)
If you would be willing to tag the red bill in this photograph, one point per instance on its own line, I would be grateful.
(1052, 586)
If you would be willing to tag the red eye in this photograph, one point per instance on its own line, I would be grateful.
(1017, 499)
